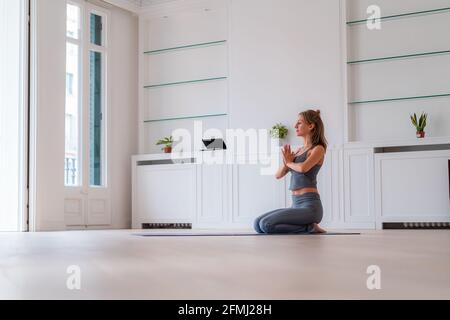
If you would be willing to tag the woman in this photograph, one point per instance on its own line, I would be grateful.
(306, 212)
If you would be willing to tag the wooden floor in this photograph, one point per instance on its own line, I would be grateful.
(119, 265)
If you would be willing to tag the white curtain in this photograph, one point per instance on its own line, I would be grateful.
(11, 114)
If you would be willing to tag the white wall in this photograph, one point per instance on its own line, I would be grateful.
(425, 75)
(281, 61)
(50, 37)
(285, 58)
(123, 54)
(50, 101)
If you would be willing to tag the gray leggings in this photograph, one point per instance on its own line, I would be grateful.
(306, 209)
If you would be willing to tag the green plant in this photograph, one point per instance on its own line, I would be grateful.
(166, 141)
(420, 125)
(279, 131)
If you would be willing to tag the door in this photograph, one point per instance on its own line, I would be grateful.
(87, 189)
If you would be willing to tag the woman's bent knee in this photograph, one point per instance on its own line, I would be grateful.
(256, 225)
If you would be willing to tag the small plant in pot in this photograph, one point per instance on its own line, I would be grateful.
(167, 142)
(419, 124)
(279, 131)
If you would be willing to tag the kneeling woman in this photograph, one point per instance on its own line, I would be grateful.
(306, 212)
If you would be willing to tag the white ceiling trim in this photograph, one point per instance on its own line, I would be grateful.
(133, 6)
(155, 8)
(137, 6)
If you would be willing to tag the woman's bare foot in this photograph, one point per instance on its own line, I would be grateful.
(318, 229)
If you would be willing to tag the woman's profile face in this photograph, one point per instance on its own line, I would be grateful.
(302, 127)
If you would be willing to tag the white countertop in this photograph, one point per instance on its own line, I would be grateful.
(398, 143)
(194, 154)
(349, 145)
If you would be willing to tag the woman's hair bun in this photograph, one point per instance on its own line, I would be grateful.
(318, 112)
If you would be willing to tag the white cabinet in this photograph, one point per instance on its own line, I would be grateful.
(164, 193)
(358, 187)
(412, 186)
(254, 193)
(212, 188)
(208, 195)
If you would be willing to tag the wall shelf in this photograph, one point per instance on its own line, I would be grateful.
(400, 57)
(186, 117)
(183, 82)
(191, 46)
(400, 99)
(416, 13)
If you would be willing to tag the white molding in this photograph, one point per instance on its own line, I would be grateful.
(157, 10)
(163, 7)
(124, 4)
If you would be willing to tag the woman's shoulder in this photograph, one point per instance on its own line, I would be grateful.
(319, 147)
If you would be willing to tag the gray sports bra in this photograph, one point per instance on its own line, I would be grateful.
(306, 179)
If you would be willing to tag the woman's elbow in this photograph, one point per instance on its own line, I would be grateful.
(300, 169)
(279, 176)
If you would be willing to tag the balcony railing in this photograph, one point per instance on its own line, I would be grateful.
(70, 171)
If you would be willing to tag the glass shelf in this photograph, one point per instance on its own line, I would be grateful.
(400, 99)
(212, 43)
(400, 15)
(400, 57)
(187, 117)
(183, 82)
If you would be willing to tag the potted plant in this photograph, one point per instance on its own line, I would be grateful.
(419, 125)
(279, 131)
(167, 142)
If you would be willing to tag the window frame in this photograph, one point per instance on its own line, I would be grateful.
(103, 50)
(85, 47)
(79, 43)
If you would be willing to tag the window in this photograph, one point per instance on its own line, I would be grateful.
(73, 97)
(96, 29)
(69, 83)
(73, 21)
(85, 47)
(97, 53)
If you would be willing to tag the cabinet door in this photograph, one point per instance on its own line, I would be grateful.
(164, 194)
(412, 186)
(254, 193)
(358, 186)
(213, 191)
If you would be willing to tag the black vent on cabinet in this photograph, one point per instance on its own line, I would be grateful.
(166, 226)
(416, 225)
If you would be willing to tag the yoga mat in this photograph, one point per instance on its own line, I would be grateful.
(186, 234)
